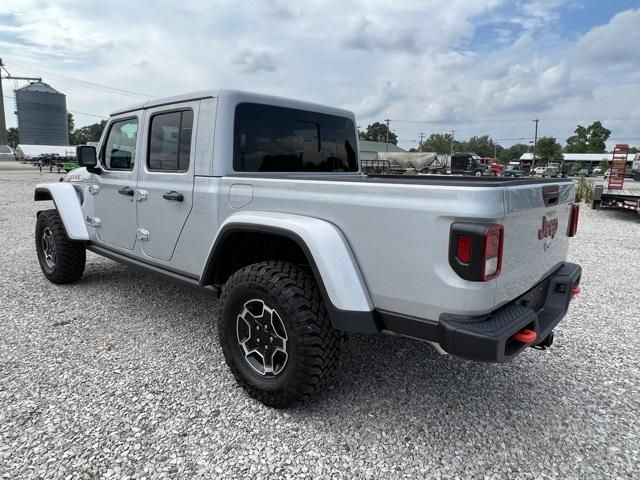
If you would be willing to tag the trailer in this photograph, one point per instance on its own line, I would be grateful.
(614, 192)
(626, 198)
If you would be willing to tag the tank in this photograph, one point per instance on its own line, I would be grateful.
(42, 115)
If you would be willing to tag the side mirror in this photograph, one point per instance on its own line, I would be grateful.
(86, 156)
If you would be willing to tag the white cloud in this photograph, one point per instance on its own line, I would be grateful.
(617, 42)
(256, 60)
(405, 60)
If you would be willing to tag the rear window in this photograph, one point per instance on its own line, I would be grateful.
(170, 141)
(278, 139)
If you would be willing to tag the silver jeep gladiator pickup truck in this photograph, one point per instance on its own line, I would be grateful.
(262, 201)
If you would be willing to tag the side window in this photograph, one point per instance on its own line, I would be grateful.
(170, 141)
(278, 139)
(120, 147)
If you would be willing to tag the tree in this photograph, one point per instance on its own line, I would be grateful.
(13, 137)
(591, 139)
(71, 124)
(439, 143)
(634, 150)
(483, 146)
(90, 133)
(548, 150)
(604, 165)
(377, 132)
(513, 153)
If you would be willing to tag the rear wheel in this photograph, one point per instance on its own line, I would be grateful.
(62, 260)
(275, 333)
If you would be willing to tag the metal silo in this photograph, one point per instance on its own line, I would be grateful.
(42, 115)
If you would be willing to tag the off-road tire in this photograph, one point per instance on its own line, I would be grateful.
(70, 255)
(313, 343)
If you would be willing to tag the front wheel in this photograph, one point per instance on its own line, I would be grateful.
(62, 260)
(275, 333)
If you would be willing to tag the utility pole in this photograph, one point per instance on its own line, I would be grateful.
(387, 121)
(453, 133)
(3, 124)
(535, 143)
(421, 140)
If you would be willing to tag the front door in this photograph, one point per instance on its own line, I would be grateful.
(165, 186)
(115, 204)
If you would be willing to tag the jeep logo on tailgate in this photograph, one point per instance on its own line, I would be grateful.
(549, 228)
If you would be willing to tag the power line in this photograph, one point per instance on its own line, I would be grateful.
(79, 82)
(56, 107)
(493, 120)
(84, 83)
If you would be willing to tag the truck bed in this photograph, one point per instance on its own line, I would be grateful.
(433, 180)
(399, 228)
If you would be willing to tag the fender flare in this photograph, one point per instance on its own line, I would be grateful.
(67, 203)
(329, 255)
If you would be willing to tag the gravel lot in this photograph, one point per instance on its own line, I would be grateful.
(120, 376)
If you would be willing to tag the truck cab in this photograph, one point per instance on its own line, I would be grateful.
(468, 164)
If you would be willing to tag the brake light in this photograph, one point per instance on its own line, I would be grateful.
(572, 229)
(492, 252)
(475, 250)
(463, 253)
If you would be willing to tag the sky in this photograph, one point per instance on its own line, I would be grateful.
(472, 66)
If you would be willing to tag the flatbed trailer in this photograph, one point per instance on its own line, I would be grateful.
(627, 198)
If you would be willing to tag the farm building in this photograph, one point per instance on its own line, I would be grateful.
(588, 160)
(369, 150)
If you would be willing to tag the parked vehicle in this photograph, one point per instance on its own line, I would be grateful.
(635, 170)
(550, 172)
(261, 200)
(584, 172)
(496, 169)
(539, 170)
(468, 164)
(512, 172)
(562, 169)
(597, 171)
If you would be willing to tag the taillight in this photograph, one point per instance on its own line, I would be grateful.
(475, 250)
(492, 258)
(572, 229)
(463, 253)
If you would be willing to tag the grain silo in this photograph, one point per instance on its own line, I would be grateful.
(42, 115)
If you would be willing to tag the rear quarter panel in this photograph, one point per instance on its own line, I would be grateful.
(399, 234)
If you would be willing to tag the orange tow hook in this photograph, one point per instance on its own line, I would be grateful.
(575, 290)
(526, 336)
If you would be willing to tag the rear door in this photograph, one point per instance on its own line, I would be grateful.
(535, 235)
(165, 182)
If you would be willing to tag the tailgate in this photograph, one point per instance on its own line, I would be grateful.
(535, 235)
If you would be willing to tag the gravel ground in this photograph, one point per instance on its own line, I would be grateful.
(120, 376)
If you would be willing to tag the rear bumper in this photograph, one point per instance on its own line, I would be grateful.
(490, 338)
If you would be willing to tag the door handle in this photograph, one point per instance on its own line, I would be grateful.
(128, 191)
(173, 196)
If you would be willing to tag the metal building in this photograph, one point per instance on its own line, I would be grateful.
(42, 115)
